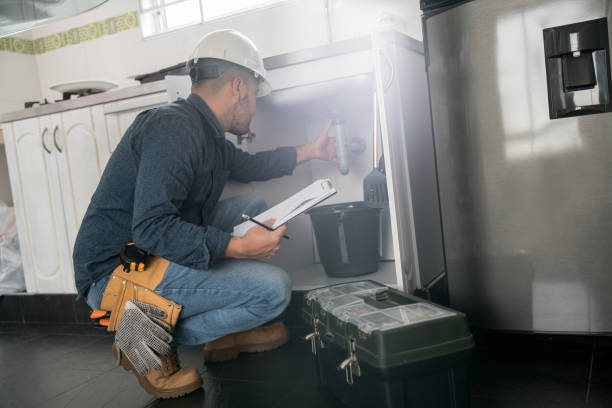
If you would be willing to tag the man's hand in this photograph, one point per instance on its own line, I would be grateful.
(323, 148)
(257, 243)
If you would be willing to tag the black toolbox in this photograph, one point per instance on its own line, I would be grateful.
(378, 347)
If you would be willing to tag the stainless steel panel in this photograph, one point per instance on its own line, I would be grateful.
(526, 201)
(409, 158)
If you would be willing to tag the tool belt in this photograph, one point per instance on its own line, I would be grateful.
(137, 285)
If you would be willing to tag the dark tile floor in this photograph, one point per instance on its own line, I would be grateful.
(70, 365)
(44, 365)
(511, 370)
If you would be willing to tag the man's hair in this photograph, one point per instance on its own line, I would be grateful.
(202, 74)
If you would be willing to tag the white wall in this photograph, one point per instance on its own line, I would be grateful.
(19, 79)
(277, 29)
(19, 82)
(285, 27)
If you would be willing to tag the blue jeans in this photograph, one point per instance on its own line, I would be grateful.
(233, 295)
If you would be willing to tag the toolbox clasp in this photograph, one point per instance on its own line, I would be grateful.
(315, 336)
(350, 365)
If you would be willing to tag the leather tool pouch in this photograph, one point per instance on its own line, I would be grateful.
(140, 286)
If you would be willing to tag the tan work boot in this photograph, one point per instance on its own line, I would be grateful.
(170, 382)
(258, 339)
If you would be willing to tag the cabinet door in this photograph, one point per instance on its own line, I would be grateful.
(119, 115)
(116, 125)
(76, 143)
(38, 207)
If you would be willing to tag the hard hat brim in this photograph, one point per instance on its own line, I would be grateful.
(263, 88)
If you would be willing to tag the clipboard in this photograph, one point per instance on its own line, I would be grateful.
(290, 208)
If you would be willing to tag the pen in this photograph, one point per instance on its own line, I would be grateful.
(246, 217)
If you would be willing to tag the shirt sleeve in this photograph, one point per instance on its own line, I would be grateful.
(168, 153)
(245, 167)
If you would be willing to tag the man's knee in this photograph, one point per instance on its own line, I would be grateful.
(255, 204)
(283, 292)
(277, 290)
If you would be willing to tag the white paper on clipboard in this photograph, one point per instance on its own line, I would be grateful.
(291, 207)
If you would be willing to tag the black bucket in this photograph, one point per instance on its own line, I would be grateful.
(347, 238)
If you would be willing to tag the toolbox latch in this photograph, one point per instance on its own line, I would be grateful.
(315, 336)
(350, 364)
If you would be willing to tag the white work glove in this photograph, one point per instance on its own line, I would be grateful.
(142, 336)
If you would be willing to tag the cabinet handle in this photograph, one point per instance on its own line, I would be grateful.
(45, 130)
(59, 149)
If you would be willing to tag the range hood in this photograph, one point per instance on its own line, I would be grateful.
(22, 15)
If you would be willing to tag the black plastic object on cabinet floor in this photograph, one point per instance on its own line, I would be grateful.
(379, 347)
(347, 237)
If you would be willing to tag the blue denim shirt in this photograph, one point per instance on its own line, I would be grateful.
(160, 186)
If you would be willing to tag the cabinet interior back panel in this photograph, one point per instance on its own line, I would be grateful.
(298, 115)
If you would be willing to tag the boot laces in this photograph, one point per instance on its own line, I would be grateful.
(172, 363)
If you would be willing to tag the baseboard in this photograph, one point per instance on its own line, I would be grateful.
(62, 308)
(43, 308)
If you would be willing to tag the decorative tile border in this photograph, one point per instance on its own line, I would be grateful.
(73, 36)
(18, 45)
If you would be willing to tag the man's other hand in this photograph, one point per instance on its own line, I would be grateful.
(257, 243)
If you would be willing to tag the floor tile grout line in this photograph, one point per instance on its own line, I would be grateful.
(153, 399)
(236, 380)
(590, 376)
(80, 384)
(62, 354)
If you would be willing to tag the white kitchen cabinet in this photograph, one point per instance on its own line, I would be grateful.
(78, 143)
(38, 203)
(119, 115)
(55, 164)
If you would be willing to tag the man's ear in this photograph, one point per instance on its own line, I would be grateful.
(236, 84)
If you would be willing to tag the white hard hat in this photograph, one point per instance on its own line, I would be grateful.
(234, 47)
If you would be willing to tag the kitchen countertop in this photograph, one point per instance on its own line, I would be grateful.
(83, 101)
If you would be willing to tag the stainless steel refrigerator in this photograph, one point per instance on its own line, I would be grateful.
(520, 93)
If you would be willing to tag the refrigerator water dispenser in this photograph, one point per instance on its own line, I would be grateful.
(578, 68)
